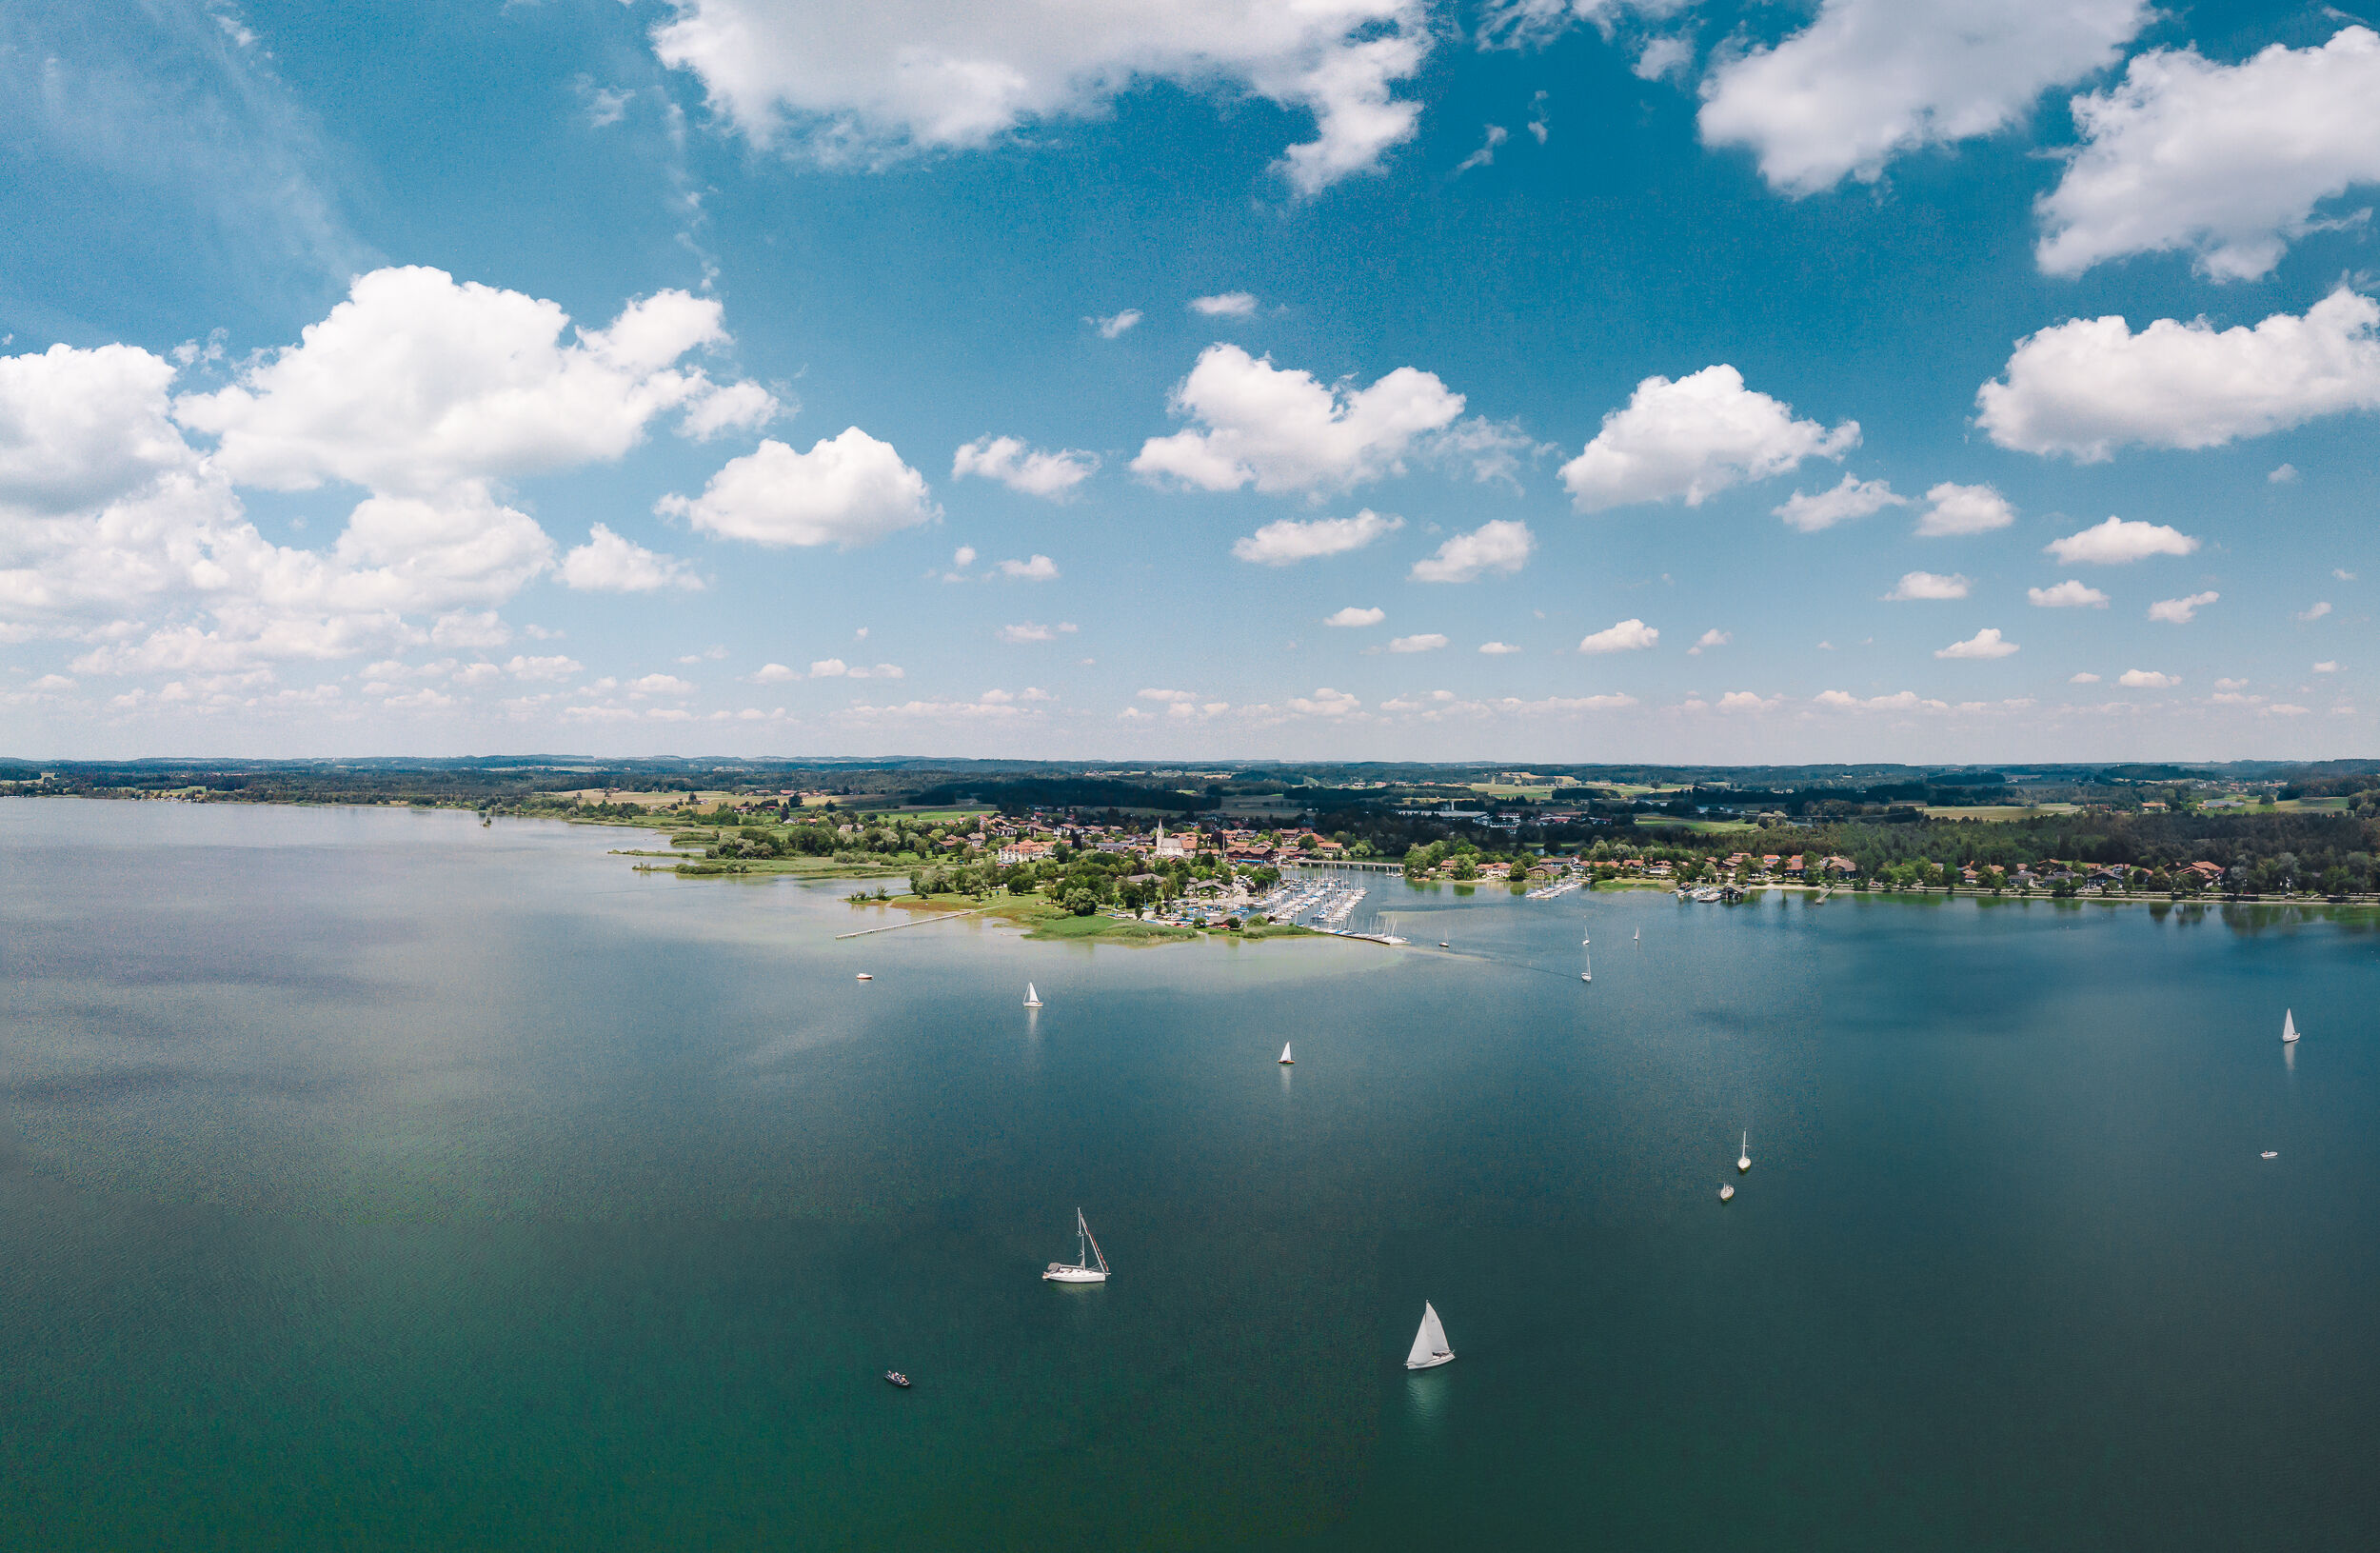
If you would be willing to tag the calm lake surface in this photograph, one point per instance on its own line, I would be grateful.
(373, 1179)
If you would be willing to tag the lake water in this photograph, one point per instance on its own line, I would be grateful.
(376, 1179)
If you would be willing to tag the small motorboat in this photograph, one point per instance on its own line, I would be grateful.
(2271, 1154)
(897, 1378)
(866, 976)
(1443, 944)
(1727, 1193)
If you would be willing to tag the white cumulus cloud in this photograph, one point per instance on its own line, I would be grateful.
(1952, 510)
(1225, 305)
(2119, 541)
(2224, 162)
(864, 84)
(1040, 570)
(2147, 679)
(1115, 325)
(609, 564)
(1986, 643)
(2068, 594)
(850, 489)
(1032, 471)
(1693, 438)
(1627, 636)
(1326, 702)
(2182, 611)
(1498, 650)
(1286, 541)
(1502, 545)
(1868, 80)
(1032, 631)
(1849, 498)
(1353, 616)
(1284, 430)
(1930, 585)
(2089, 386)
(1427, 642)
(2315, 612)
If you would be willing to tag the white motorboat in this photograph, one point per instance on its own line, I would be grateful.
(1032, 999)
(1286, 1060)
(2289, 1026)
(866, 976)
(2270, 1154)
(1429, 1345)
(1743, 1161)
(1088, 1266)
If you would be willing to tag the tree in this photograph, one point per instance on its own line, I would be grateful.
(1080, 902)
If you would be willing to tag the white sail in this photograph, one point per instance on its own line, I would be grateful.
(1084, 1224)
(2289, 1024)
(1429, 1345)
(1032, 999)
(1285, 1053)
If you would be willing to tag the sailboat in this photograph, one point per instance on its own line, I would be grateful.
(1743, 1162)
(2289, 1026)
(1088, 1266)
(1286, 1060)
(1429, 1345)
(1727, 1192)
(1032, 999)
(1639, 938)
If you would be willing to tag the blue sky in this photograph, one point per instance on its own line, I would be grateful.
(1674, 381)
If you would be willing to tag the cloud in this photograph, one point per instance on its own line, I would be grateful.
(2068, 594)
(2119, 541)
(2281, 708)
(2224, 162)
(2084, 677)
(1712, 638)
(773, 675)
(2089, 386)
(1170, 697)
(2316, 612)
(608, 564)
(2282, 474)
(1030, 631)
(1852, 498)
(661, 684)
(1284, 431)
(1040, 570)
(553, 667)
(1326, 702)
(1986, 643)
(1227, 305)
(1498, 650)
(962, 556)
(2329, 666)
(835, 669)
(1747, 701)
(2147, 679)
(1692, 439)
(2181, 611)
(1954, 510)
(1428, 642)
(1627, 636)
(415, 384)
(1115, 324)
(1485, 156)
(1034, 472)
(1900, 700)
(1285, 541)
(1352, 616)
(1502, 545)
(865, 84)
(849, 491)
(1868, 80)
(1928, 585)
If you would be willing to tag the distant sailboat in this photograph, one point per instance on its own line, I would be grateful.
(1743, 1162)
(2289, 1026)
(1639, 938)
(1286, 1060)
(1032, 999)
(1088, 1266)
(1429, 1345)
(1584, 942)
(866, 976)
(1727, 1193)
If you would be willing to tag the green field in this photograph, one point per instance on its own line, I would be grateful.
(1996, 811)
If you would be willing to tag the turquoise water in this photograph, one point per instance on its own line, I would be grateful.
(371, 1179)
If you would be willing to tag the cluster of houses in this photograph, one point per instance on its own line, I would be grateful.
(1020, 841)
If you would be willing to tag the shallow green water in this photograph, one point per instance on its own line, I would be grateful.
(371, 1179)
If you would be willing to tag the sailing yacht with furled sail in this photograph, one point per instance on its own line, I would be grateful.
(1088, 1266)
(1032, 999)
(1429, 1345)
(2289, 1026)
